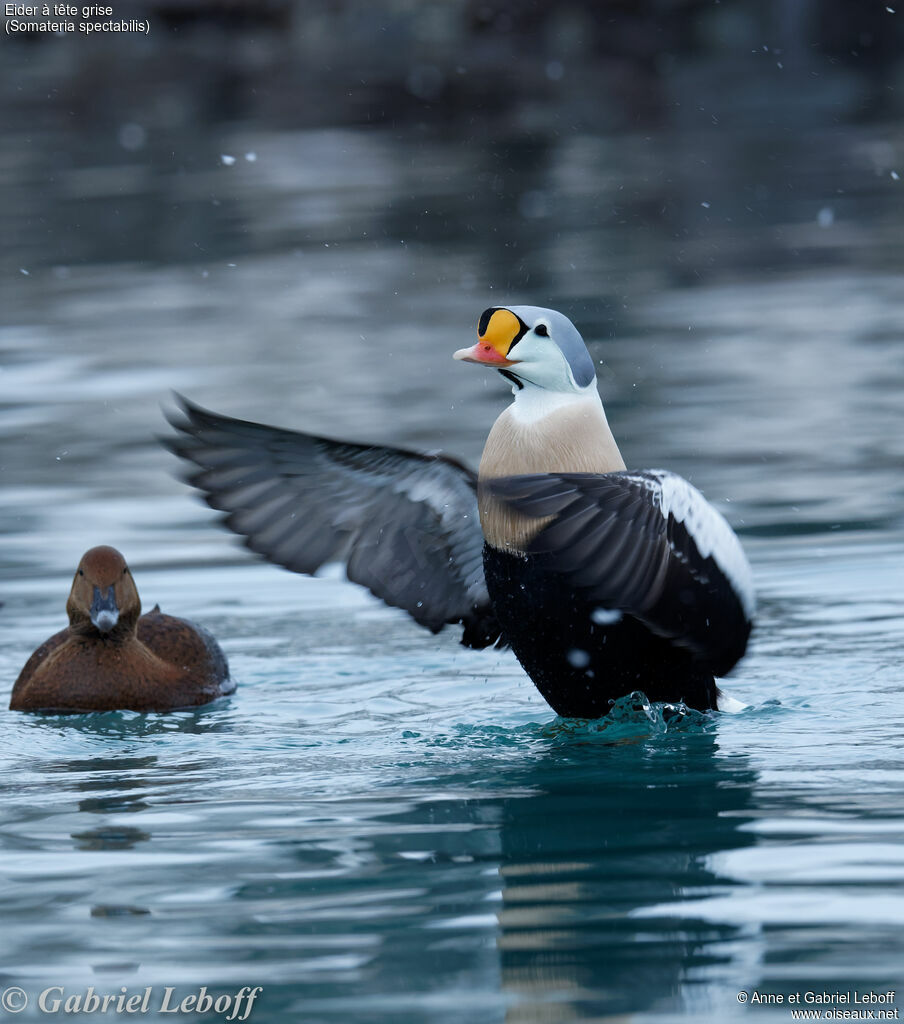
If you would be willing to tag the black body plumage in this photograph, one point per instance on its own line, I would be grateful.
(579, 658)
(615, 544)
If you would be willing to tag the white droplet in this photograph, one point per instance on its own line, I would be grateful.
(251, 157)
(578, 658)
(895, 176)
(606, 616)
(227, 159)
(705, 206)
(826, 217)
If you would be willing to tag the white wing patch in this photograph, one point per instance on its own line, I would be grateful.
(708, 529)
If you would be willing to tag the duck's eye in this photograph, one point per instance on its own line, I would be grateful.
(542, 330)
(125, 571)
(81, 572)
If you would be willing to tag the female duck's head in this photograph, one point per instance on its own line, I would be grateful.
(103, 598)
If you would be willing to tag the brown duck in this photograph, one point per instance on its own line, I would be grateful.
(113, 657)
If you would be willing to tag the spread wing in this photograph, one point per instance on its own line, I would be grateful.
(405, 525)
(648, 544)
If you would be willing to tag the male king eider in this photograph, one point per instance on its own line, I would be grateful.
(603, 581)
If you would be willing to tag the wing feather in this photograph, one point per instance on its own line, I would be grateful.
(405, 524)
(648, 544)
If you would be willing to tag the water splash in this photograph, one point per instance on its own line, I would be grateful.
(631, 718)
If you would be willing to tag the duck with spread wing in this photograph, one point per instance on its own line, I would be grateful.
(603, 580)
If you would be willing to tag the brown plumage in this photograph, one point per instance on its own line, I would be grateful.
(111, 657)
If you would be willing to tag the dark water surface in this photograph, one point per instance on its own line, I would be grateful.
(380, 825)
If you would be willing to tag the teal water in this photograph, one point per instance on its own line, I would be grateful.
(383, 826)
(380, 826)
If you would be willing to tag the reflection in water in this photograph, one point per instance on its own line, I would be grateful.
(113, 803)
(126, 726)
(92, 771)
(112, 910)
(603, 836)
(523, 894)
(108, 837)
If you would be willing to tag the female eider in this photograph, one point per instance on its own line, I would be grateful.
(603, 581)
(114, 658)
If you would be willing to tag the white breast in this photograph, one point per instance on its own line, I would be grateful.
(542, 432)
